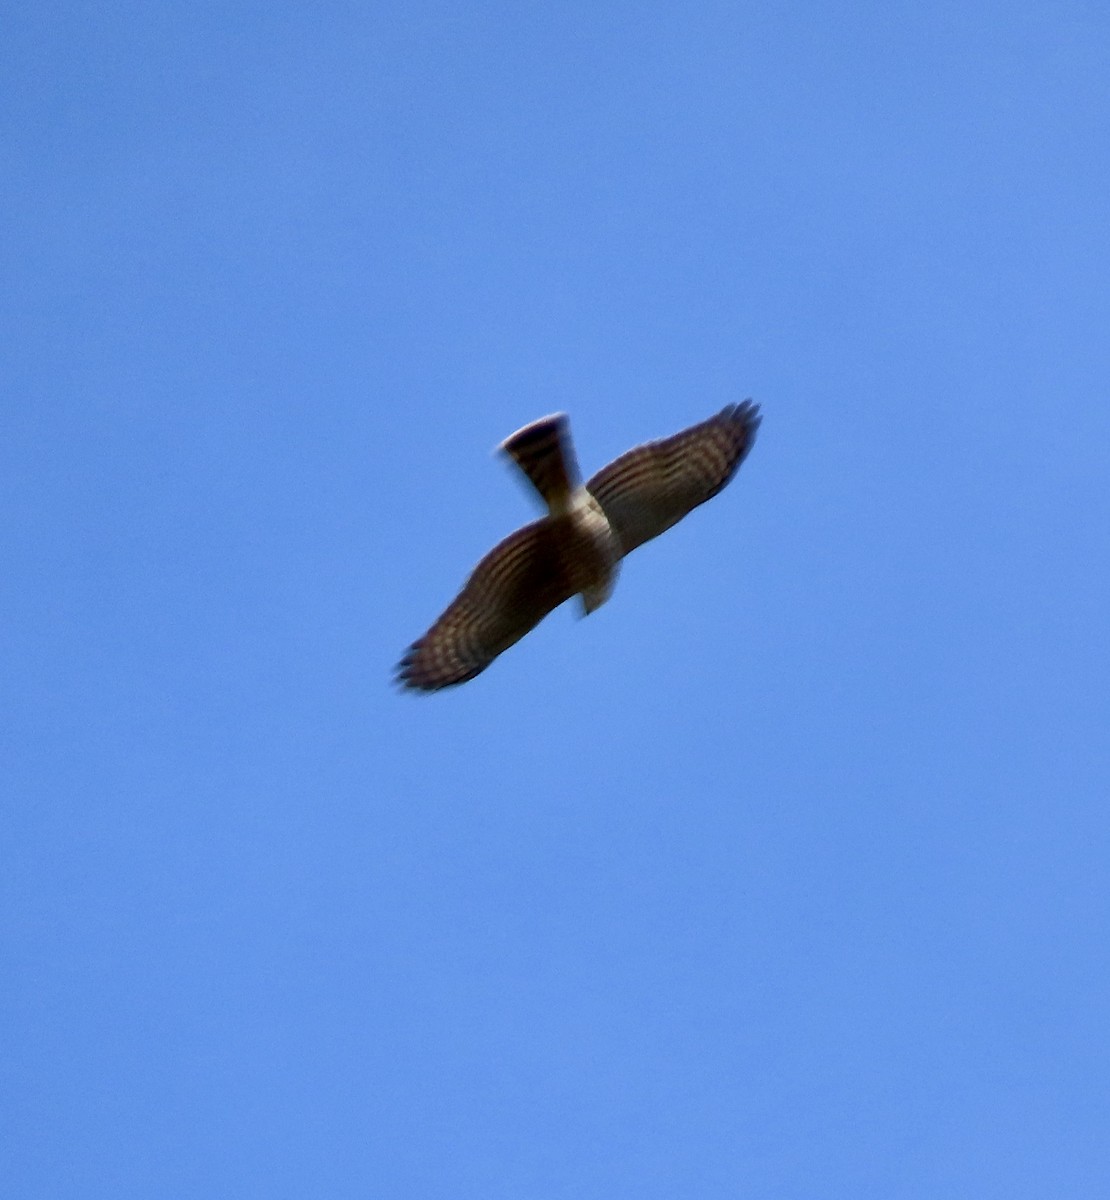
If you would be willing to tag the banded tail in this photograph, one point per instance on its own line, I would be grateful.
(544, 453)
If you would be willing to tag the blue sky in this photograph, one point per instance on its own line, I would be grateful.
(785, 873)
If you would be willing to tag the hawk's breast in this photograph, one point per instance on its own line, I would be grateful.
(592, 550)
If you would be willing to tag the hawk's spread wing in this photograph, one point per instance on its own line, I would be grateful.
(510, 591)
(649, 489)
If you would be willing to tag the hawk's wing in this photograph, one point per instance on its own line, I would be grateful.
(510, 591)
(649, 489)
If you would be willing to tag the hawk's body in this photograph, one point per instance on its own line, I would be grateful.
(589, 549)
(577, 547)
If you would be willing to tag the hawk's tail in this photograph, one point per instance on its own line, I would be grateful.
(543, 452)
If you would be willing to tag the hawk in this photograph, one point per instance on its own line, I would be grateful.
(576, 548)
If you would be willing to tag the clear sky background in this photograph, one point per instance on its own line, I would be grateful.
(786, 874)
